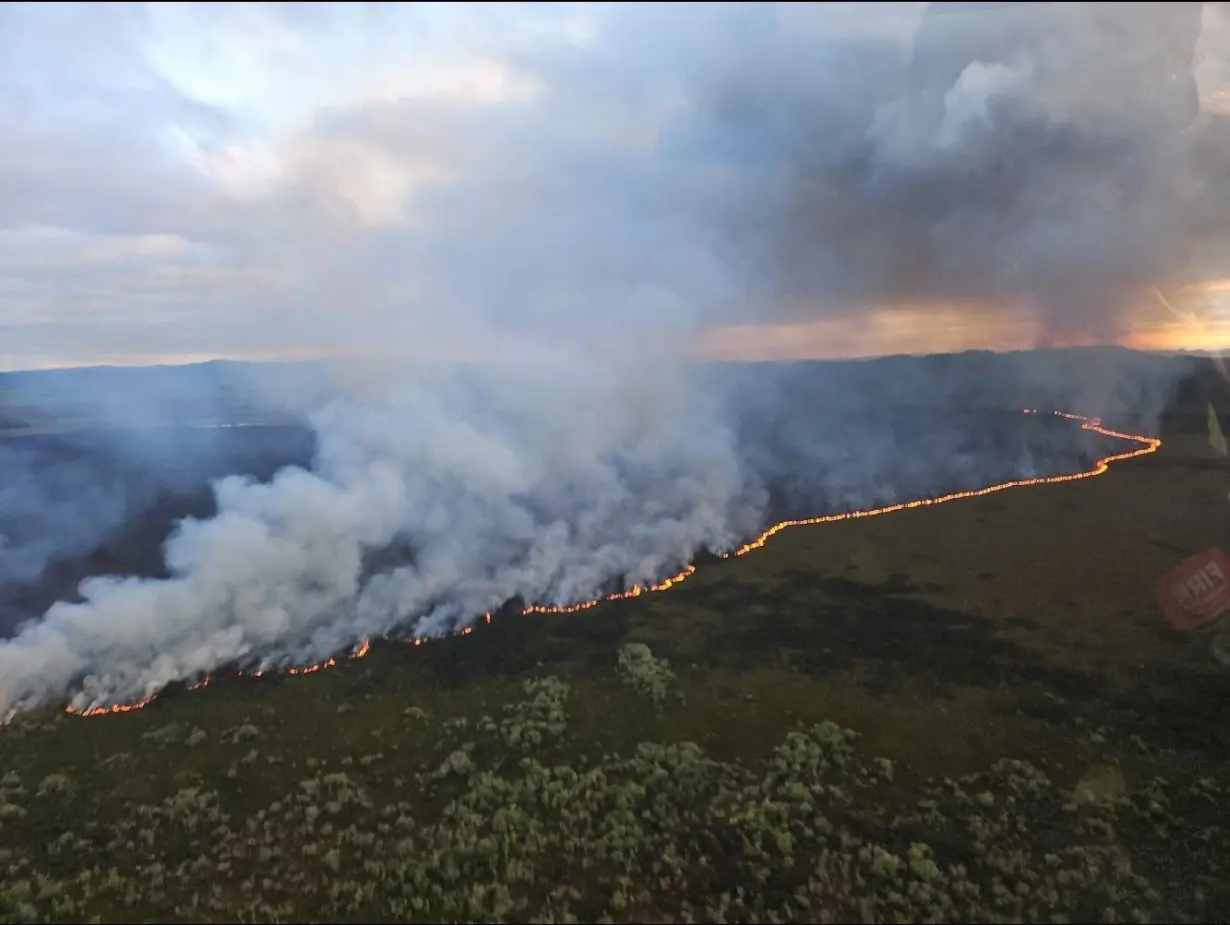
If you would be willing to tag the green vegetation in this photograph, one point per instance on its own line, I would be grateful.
(648, 676)
(354, 795)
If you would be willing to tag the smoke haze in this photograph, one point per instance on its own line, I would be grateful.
(571, 220)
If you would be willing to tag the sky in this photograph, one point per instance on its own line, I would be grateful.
(284, 181)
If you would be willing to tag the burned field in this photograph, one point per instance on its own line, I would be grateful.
(104, 501)
(972, 711)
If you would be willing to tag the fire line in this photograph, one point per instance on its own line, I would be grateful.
(1148, 445)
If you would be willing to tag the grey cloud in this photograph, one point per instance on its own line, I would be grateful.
(1047, 155)
(1028, 152)
(707, 163)
(85, 138)
(1037, 157)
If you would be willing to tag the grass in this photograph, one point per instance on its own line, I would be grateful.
(715, 798)
(971, 712)
(341, 796)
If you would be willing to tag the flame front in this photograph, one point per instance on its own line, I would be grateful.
(114, 708)
(1148, 445)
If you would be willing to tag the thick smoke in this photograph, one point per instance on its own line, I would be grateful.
(490, 497)
(774, 164)
(89, 450)
(1050, 156)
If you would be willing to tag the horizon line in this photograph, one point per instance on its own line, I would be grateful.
(716, 361)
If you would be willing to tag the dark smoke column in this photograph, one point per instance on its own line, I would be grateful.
(1149, 48)
(1038, 155)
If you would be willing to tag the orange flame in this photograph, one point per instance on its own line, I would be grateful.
(114, 708)
(1151, 445)
(1148, 445)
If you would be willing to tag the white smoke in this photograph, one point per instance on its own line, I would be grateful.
(668, 174)
(494, 499)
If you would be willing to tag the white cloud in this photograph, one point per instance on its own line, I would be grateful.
(325, 174)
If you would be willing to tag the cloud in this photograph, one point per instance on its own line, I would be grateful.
(1035, 155)
(703, 165)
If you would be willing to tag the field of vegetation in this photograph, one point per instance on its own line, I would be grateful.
(972, 712)
(639, 793)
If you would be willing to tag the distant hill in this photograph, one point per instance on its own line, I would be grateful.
(217, 390)
(1097, 379)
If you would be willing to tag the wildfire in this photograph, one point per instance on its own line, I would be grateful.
(634, 591)
(114, 708)
(1147, 445)
(363, 648)
(1150, 445)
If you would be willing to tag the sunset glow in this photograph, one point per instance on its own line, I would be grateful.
(1199, 319)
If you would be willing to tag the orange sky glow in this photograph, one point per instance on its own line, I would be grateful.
(1197, 319)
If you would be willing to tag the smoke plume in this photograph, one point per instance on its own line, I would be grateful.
(673, 169)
